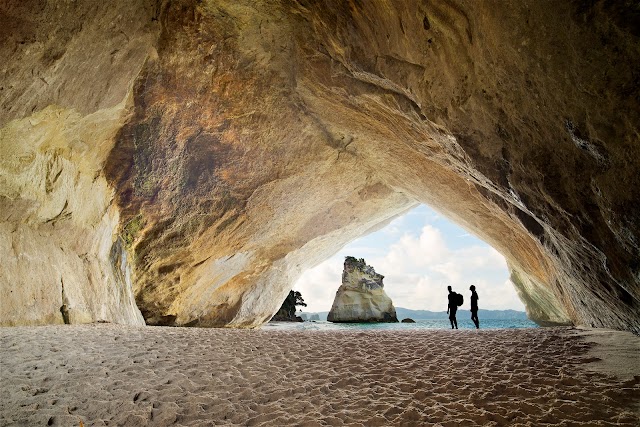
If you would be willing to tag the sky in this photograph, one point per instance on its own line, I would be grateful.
(419, 254)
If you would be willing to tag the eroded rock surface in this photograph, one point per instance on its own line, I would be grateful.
(361, 297)
(226, 146)
(65, 91)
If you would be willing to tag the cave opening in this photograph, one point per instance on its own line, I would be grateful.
(420, 253)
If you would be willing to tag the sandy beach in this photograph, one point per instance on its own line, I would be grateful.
(151, 376)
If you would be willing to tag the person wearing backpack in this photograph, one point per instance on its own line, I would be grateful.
(474, 306)
(452, 307)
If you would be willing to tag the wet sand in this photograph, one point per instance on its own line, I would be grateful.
(128, 376)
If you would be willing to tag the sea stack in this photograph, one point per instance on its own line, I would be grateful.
(361, 297)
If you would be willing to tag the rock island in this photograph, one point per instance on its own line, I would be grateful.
(361, 297)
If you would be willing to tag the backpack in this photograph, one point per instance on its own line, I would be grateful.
(459, 299)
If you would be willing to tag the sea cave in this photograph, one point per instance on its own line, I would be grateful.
(183, 163)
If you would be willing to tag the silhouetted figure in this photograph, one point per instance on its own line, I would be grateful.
(452, 307)
(474, 306)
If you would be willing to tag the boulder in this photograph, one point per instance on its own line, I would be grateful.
(408, 320)
(361, 297)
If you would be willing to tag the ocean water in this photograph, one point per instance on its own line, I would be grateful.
(419, 325)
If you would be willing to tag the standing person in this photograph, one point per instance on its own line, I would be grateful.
(452, 307)
(474, 306)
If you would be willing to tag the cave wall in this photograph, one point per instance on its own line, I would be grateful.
(65, 90)
(214, 150)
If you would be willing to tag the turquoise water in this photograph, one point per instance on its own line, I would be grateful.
(419, 325)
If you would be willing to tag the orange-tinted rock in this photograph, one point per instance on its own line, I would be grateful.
(261, 138)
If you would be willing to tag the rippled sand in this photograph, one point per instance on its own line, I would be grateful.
(117, 375)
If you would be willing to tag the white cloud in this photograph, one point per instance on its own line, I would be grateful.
(501, 297)
(318, 286)
(410, 253)
(362, 251)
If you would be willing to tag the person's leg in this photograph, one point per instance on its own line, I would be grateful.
(451, 318)
(455, 321)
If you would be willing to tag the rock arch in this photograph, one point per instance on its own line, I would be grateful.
(203, 154)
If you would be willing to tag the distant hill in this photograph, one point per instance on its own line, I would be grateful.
(403, 313)
(482, 314)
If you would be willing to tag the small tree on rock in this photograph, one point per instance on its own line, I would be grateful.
(288, 309)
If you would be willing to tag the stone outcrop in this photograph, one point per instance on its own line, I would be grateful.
(361, 297)
(287, 313)
(198, 155)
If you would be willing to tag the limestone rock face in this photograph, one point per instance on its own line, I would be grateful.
(199, 155)
(361, 297)
(65, 85)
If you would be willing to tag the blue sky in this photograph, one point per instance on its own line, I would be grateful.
(419, 254)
